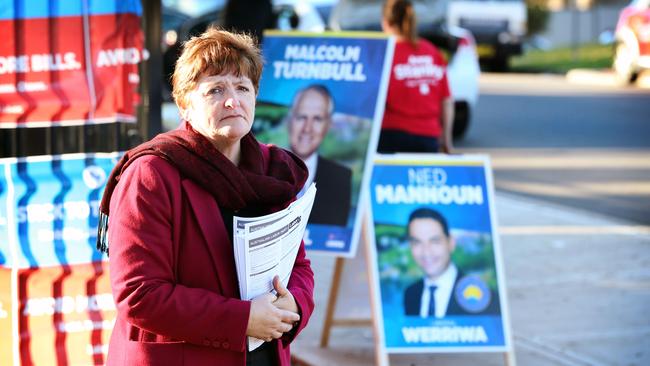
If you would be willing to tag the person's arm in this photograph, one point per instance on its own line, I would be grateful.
(447, 120)
(142, 266)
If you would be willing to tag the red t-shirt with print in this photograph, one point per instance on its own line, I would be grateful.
(418, 85)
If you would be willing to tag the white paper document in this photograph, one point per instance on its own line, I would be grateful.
(266, 246)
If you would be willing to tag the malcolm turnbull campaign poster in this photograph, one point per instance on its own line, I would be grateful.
(436, 255)
(322, 97)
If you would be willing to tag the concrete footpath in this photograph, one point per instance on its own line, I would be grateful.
(578, 289)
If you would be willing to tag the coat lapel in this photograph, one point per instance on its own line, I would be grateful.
(219, 245)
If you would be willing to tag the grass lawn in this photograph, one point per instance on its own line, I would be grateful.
(561, 60)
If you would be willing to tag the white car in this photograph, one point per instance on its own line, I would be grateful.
(463, 72)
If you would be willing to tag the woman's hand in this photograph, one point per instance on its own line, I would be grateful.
(285, 299)
(267, 321)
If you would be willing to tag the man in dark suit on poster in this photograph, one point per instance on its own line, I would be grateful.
(444, 290)
(309, 120)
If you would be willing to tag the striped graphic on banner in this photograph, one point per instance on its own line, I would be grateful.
(58, 299)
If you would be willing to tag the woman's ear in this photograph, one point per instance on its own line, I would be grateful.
(185, 113)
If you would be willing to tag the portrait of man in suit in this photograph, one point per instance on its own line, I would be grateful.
(444, 290)
(309, 120)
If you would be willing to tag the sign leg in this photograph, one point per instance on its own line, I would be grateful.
(331, 303)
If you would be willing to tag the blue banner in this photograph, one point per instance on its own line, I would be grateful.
(436, 254)
(5, 257)
(53, 210)
(68, 8)
(322, 97)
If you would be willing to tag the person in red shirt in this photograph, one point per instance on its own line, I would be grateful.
(419, 109)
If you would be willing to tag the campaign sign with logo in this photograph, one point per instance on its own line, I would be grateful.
(54, 286)
(322, 96)
(436, 255)
(69, 62)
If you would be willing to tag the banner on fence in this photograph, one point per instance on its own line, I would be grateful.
(55, 298)
(71, 62)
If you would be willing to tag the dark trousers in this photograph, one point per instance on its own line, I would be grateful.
(395, 141)
(262, 356)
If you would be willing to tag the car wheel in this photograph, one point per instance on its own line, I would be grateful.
(624, 64)
(499, 63)
(461, 119)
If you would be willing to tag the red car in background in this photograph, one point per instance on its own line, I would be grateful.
(632, 52)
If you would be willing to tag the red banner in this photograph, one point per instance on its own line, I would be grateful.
(69, 64)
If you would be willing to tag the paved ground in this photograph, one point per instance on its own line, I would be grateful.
(605, 78)
(578, 287)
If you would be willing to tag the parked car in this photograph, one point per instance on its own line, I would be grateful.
(498, 26)
(632, 47)
(463, 68)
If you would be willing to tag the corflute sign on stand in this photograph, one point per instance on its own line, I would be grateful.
(322, 96)
(69, 62)
(56, 305)
(437, 262)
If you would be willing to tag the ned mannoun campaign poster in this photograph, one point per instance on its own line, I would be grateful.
(436, 255)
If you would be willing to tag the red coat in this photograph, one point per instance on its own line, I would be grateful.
(173, 275)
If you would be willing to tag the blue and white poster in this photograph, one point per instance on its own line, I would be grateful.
(54, 206)
(54, 286)
(4, 232)
(322, 97)
(436, 255)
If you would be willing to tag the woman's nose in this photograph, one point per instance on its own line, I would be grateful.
(230, 103)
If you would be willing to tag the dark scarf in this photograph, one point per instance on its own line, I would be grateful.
(233, 187)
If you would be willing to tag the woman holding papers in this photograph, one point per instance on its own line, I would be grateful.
(171, 203)
(419, 109)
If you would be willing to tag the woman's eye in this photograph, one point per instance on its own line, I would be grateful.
(244, 88)
(215, 91)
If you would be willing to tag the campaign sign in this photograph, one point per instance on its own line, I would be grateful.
(55, 298)
(437, 262)
(69, 62)
(322, 97)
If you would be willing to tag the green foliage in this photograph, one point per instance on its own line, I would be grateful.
(561, 60)
(481, 262)
(267, 119)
